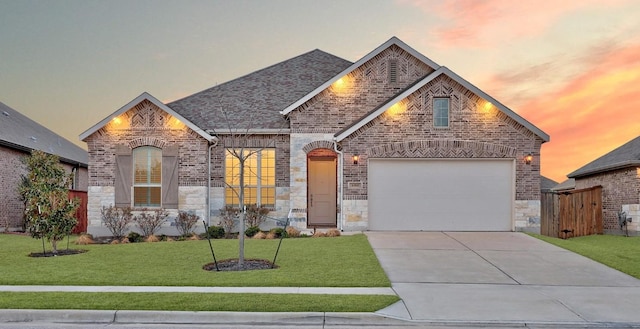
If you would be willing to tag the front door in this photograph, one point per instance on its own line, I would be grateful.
(321, 196)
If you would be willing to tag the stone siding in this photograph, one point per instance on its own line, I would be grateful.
(619, 187)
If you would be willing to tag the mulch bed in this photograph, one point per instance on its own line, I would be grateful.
(63, 252)
(232, 265)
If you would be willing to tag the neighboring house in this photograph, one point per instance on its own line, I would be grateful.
(547, 184)
(567, 185)
(392, 141)
(20, 135)
(618, 172)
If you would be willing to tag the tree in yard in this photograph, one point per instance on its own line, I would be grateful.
(238, 139)
(49, 213)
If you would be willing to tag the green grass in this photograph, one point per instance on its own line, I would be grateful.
(618, 252)
(346, 261)
(195, 302)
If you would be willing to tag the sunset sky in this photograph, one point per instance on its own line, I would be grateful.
(572, 68)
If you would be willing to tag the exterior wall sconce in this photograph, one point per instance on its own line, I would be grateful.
(528, 158)
(355, 159)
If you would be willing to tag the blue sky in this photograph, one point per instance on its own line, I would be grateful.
(572, 68)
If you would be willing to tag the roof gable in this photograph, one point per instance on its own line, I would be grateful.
(627, 155)
(419, 84)
(254, 101)
(145, 96)
(19, 132)
(391, 42)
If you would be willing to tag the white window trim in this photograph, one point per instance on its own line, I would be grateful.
(258, 186)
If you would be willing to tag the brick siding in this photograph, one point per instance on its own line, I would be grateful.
(619, 187)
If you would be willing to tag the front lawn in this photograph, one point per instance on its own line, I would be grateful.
(346, 261)
(619, 252)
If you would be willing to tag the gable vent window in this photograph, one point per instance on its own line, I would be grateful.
(393, 71)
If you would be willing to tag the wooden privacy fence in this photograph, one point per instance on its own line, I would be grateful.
(81, 213)
(571, 213)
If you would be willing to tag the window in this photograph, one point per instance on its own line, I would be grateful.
(259, 177)
(441, 112)
(147, 176)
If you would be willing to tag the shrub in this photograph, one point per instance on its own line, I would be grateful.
(117, 220)
(251, 231)
(134, 237)
(84, 239)
(259, 235)
(149, 223)
(255, 215)
(185, 222)
(318, 234)
(228, 216)
(292, 232)
(278, 232)
(152, 238)
(214, 232)
(333, 232)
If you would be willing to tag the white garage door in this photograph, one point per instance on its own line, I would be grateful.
(441, 195)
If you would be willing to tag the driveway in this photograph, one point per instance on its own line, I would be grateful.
(500, 278)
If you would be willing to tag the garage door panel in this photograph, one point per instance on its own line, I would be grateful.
(440, 195)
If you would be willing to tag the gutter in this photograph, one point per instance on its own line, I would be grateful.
(212, 144)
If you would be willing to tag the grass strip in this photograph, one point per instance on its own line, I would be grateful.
(618, 252)
(195, 302)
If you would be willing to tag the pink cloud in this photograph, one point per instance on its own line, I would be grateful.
(591, 114)
(472, 23)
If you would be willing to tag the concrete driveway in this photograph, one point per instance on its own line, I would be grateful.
(501, 278)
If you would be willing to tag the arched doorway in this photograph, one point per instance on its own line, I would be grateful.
(322, 188)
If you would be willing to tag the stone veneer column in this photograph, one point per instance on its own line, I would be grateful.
(527, 214)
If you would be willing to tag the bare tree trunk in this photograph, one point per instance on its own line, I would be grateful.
(54, 246)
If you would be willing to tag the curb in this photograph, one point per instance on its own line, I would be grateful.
(292, 319)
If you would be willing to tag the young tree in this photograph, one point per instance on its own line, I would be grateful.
(237, 140)
(45, 190)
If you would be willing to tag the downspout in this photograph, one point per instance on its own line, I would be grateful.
(340, 179)
(211, 146)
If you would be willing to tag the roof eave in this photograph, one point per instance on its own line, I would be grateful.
(138, 100)
(352, 67)
(620, 165)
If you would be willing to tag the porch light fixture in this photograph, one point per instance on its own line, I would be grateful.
(355, 159)
(528, 158)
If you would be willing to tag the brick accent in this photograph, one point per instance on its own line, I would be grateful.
(619, 187)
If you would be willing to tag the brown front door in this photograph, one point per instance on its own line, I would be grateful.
(321, 196)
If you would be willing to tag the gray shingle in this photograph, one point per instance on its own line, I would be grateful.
(627, 155)
(254, 100)
(19, 132)
(546, 184)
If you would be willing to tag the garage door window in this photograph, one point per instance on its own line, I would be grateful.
(441, 112)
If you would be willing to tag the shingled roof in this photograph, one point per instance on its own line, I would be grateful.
(255, 100)
(21, 133)
(627, 155)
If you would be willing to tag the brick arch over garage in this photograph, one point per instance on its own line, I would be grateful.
(443, 148)
(317, 145)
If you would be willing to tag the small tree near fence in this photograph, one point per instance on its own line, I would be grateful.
(45, 190)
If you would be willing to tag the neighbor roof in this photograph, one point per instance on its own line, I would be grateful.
(546, 184)
(21, 133)
(255, 100)
(627, 155)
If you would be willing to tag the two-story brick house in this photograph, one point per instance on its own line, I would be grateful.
(392, 141)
